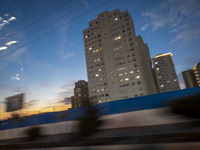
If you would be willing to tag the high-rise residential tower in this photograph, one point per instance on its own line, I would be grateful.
(81, 97)
(165, 73)
(118, 62)
(197, 73)
(189, 78)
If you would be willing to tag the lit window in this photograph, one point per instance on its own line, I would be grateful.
(162, 86)
(115, 19)
(95, 60)
(97, 90)
(100, 101)
(97, 75)
(137, 77)
(125, 73)
(86, 36)
(98, 59)
(99, 69)
(121, 80)
(107, 100)
(160, 77)
(120, 74)
(93, 51)
(90, 48)
(117, 38)
(102, 89)
(131, 72)
(137, 70)
(157, 69)
(126, 79)
(156, 62)
(97, 50)
(175, 79)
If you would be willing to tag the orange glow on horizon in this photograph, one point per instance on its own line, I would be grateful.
(29, 112)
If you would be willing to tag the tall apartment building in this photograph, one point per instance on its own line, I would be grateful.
(189, 78)
(118, 62)
(197, 73)
(81, 96)
(165, 73)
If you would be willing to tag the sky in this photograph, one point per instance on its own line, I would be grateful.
(42, 48)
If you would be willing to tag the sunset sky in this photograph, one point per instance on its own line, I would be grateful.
(45, 66)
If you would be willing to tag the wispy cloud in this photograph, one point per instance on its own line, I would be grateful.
(145, 27)
(16, 55)
(66, 90)
(66, 101)
(15, 89)
(187, 34)
(62, 52)
(180, 17)
(45, 85)
(65, 55)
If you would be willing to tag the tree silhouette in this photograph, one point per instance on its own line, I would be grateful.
(188, 106)
(90, 122)
(34, 133)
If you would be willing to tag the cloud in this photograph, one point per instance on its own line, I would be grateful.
(14, 89)
(66, 100)
(1, 18)
(66, 90)
(6, 15)
(185, 35)
(16, 55)
(145, 27)
(45, 85)
(65, 55)
(62, 51)
(179, 17)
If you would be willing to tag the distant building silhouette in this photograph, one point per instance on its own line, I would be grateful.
(189, 78)
(118, 61)
(80, 97)
(165, 73)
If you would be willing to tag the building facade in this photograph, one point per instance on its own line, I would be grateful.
(118, 61)
(189, 78)
(81, 96)
(165, 73)
(196, 70)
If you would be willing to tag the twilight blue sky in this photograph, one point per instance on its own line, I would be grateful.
(46, 69)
